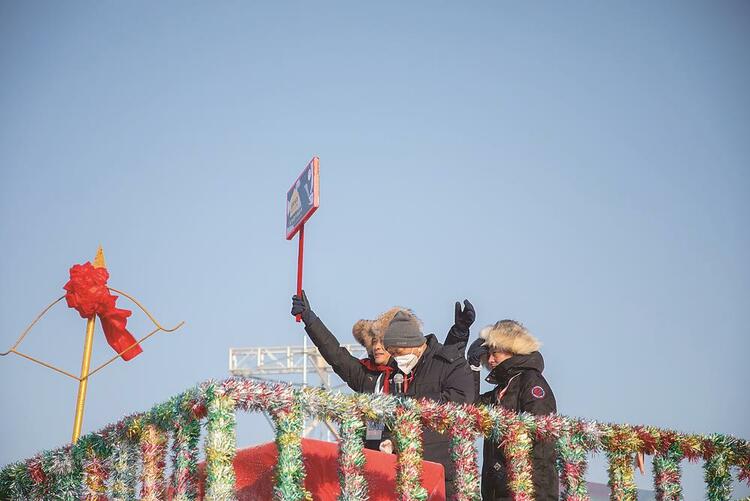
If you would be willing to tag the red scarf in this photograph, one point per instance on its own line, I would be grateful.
(385, 369)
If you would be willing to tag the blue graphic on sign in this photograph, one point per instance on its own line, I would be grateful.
(300, 200)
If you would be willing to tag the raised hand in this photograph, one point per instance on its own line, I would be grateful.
(301, 306)
(464, 317)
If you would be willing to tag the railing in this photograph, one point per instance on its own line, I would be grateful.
(127, 460)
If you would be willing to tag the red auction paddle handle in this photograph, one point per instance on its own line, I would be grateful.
(300, 259)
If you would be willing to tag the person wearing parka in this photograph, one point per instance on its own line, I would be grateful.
(512, 355)
(373, 374)
(430, 370)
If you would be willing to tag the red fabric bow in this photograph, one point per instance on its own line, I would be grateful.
(87, 292)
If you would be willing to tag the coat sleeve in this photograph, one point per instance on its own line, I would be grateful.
(347, 366)
(458, 338)
(459, 383)
(535, 395)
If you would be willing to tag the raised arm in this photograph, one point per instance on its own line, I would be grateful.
(347, 366)
(459, 384)
(459, 333)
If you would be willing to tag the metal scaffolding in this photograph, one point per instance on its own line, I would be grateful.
(281, 363)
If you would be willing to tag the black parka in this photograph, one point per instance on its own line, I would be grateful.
(441, 374)
(526, 390)
(444, 375)
(350, 369)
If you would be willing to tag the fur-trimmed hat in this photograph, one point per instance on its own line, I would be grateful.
(509, 336)
(366, 332)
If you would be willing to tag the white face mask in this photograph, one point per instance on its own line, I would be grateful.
(406, 362)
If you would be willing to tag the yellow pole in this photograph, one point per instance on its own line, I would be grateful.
(84, 381)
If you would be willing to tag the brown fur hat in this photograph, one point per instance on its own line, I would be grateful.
(509, 336)
(366, 332)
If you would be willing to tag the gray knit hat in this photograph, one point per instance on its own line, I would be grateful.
(403, 332)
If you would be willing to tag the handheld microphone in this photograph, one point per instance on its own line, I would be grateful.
(398, 382)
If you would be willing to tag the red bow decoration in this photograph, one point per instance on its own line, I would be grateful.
(87, 292)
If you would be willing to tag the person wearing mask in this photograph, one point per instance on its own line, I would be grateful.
(511, 354)
(373, 374)
(430, 370)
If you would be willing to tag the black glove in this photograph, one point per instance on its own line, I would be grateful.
(301, 306)
(464, 318)
(476, 352)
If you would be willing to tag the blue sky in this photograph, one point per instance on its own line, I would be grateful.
(582, 168)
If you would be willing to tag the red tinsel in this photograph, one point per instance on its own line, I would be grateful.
(649, 438)
(36, 472)
(88, 294)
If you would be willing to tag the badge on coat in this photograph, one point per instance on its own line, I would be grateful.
(537, 392)
(374, 430)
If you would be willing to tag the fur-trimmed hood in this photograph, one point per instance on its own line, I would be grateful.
(366, 332)
(509, 336)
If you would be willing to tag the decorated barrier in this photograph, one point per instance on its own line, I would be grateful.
(127, 460)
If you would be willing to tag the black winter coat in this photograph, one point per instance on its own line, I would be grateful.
(444, 375)
(349, 368)
(441, 374)
(526, 390)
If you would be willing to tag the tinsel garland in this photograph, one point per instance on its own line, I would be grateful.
(290, 471)
(517, 445)
(95, 475)
(352, 430)
(80, 471)
(153, 451)
(464, 456)
(621, 442)
(718, 477)
(463, 424)
(667, 474)
(577, 440)
(284, 404)
(124, 470)
(186, 435)
(41, 486)
(16, 482)
(407, 433)
(348, 411)
(221, 446)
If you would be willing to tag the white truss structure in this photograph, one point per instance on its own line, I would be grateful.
(278, 363)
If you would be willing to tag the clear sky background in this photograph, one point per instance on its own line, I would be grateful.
(582, 168)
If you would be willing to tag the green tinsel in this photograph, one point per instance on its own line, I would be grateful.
(620, 444)
(717, 472)
(185, 458)
(66, 474)
(572, 462)
(124, 469)
(290, 471)
(352, 457)
(15, 482)
(221, 446)
(667, 474)
(407, 432)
